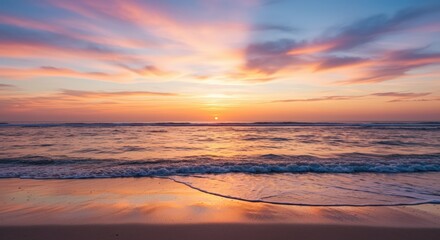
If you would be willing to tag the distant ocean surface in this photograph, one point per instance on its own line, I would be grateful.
(328, 164)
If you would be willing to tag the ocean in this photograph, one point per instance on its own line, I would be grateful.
(292, 163)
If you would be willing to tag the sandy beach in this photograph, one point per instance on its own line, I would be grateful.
(154, 208)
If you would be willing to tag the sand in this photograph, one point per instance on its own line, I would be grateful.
(152, 208)
(215, 231)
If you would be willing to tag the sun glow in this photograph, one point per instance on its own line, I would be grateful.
(217, 96)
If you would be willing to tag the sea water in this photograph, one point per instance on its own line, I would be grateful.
(323, 164)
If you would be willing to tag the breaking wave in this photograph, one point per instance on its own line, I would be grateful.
(41, 167)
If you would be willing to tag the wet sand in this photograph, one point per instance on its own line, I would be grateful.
(215, 231)
(152, 208)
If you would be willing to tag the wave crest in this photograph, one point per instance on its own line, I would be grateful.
(41, 167)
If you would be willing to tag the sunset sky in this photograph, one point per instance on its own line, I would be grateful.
(237, 60)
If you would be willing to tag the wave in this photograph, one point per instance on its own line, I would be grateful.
(272, 139)
(401, 143)
(43, 167)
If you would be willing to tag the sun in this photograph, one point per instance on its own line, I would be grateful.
(216, 118)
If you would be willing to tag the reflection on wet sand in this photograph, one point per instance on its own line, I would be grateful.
(155, 201)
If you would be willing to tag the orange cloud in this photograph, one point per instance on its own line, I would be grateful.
(149, 71)
(397, 96)
(16, 73)
(91, 94)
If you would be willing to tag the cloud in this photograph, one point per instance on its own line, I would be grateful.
(175, 42)
(249, 76)
(335, 62)
(397, 96)
(66, 99)
(148, 70)
(417, 100)
(325, 98)
(371, 28)
(80, 28)
(270, 2)
(271, 48)
(269, 57)
(403, 97)
(17, 40)
(6, 86)
(93, 94)
(395, 64)
(274, 27)
(400, 94)
(272, 56)
(156, 22)
(49, 71)
(379, 74)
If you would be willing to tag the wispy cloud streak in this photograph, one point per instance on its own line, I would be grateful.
(91, 94)
(397, 96)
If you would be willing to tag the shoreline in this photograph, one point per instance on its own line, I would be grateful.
(296, 204)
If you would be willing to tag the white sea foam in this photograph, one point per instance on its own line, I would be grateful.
(40, 167)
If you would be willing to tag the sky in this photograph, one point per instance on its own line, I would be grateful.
(234, 60)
